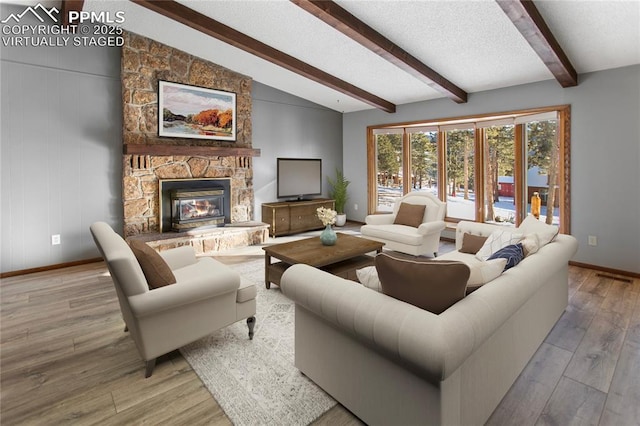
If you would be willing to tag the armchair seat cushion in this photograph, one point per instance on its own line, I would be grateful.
(246, 292)
(400, 233)
(224, 279)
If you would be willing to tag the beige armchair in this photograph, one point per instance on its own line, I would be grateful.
(423, 239)
(206, 296)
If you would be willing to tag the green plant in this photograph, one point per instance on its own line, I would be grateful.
(339, 190)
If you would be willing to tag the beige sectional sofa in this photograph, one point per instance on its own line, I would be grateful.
(390, 362)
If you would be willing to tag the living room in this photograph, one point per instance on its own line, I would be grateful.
(68, 163)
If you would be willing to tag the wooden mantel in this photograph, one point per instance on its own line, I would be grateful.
(210, 151)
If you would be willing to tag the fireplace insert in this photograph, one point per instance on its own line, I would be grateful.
(195, 208)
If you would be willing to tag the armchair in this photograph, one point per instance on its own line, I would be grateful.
(206, 296)
(417, 241)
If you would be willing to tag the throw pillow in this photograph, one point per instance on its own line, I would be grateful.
(155, 269)
(530, 244)
(410, 214)
(546, 233)
(433, 285)
(487, 271)
(472, 243)
(513, 253)
(497, 240)
(368, 277)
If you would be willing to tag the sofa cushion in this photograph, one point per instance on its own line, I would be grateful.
(155, 269)
(472, 243)
(410, 214)
(433, 285)
(530, 244)
(482, 271)
(488, 270)
(513, 253)
(546, 233)
(368, 277)
(497, 240)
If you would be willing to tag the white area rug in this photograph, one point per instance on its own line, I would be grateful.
(255, 381)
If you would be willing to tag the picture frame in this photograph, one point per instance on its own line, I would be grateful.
(186, 111)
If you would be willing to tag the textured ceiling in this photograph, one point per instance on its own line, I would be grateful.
(473, 44)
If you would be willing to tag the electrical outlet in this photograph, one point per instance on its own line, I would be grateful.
(55, 239)
(355, 207)
(593, 240)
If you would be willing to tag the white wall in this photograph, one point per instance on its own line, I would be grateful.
(605, 154)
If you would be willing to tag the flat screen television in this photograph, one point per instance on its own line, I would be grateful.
(299, 178)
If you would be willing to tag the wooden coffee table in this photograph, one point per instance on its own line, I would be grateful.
(342, 259)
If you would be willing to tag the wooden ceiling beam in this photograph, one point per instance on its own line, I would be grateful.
(527, 19)
(213, 28)
(342, 20)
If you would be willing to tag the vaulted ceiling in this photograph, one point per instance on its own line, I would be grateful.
(352, 55)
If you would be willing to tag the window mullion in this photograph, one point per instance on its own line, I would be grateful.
(479, 174)
(406, 162)
(519, 174)
(372, 169)
(442, 168)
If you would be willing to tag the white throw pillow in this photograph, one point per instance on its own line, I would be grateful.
(369, 278)
(485, 272)
(530, 244)
(497, 240)
(546, 233)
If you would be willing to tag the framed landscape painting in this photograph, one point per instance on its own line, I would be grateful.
(195, 112)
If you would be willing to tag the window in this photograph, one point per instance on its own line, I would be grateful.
(389, 168)
(459, 166)
(543, 164)
(499, 168)
(424, 159)
(486, 168)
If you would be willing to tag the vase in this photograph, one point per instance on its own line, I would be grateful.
(328, 236)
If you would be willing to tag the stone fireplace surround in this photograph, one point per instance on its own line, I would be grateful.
(148, 159)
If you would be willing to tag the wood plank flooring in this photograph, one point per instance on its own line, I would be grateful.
(65, 359)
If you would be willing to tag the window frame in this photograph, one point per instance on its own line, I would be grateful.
(563, 133)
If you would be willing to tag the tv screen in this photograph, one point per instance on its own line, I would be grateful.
(299, 177)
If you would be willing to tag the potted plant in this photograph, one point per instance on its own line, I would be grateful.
(338, 192)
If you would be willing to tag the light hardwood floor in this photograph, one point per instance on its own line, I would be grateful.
(65, 359)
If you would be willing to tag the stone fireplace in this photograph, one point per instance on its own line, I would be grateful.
(147, 205)
(151, 163)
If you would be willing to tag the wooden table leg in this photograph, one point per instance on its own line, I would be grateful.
(267, 264)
